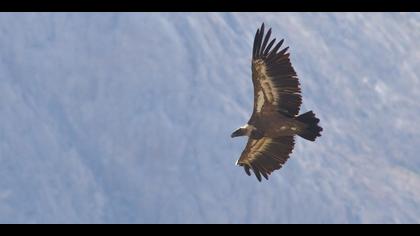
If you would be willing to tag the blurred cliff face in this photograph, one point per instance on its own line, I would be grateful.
(126, 118)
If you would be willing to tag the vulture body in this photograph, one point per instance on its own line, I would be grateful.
(275, 120)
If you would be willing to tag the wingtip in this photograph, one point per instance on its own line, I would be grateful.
(262, 29)
(265, 175)
(247, 170)
(283, 52)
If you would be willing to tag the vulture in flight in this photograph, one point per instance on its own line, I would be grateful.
(275, 120)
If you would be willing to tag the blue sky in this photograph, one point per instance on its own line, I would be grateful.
(125, 118)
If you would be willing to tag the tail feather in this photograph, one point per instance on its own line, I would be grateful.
(312, 129)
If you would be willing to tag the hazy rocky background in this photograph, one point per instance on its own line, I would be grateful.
(125, 118)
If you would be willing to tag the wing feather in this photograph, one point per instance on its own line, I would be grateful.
(269, 47)
(267, 37)
(276, 86)
(266, 155)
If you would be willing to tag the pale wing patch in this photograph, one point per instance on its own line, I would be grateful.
(257, 146)
(267, 86)
(260, 100)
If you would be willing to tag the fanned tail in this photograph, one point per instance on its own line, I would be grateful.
(312, 129)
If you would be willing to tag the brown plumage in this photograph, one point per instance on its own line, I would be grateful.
(277, 99)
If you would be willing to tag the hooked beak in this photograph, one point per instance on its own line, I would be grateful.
(237, 133)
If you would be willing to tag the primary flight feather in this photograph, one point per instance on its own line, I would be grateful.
(274, 121)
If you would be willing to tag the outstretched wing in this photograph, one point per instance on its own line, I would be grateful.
(276, 86)
(266, 155)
